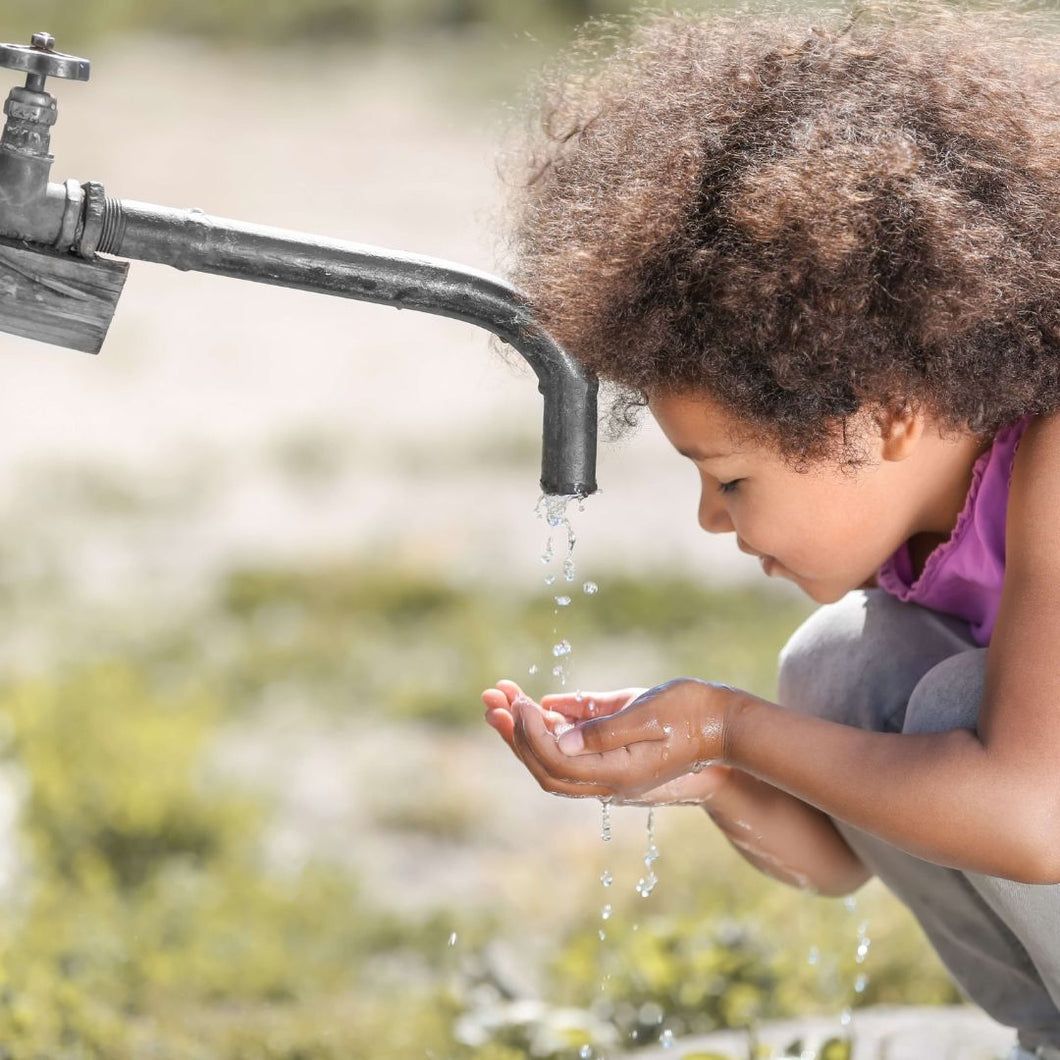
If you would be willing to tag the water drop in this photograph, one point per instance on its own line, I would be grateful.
(605, 913)
(605, 821)
(647, 884)
(860, 983)
(532, 670)
(590, 588)
(601, 934)
(845, 1017)
(562, 601)
(814, 955)
(585, 1052)
(666, 1039)
(850, 903)
(606, 878)
(568, 569)
(561, 649)
(452, 939)
(652, 854)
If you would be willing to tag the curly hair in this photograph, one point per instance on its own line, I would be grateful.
(804, 222)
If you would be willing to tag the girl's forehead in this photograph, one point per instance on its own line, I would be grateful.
(698, 426)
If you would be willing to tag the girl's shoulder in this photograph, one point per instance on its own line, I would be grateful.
(1033, 519)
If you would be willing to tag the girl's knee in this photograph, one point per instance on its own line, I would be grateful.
(857, 661)
(819, 665)
(948, 696)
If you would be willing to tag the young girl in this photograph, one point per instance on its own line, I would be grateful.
(828, 262)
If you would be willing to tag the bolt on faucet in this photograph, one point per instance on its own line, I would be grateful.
(56, 287)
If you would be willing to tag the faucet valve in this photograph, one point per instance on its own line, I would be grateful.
(40, 60)
(25, 158)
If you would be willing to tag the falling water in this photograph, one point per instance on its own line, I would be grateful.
(605, 821)
(553, 510)
(646, 884)
(861, 981)
(864, 942)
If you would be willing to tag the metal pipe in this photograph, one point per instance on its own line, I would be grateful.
(55, 296)
(192, 240)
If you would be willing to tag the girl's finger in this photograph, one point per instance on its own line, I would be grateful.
(525, 749)
(590, 704)
(614, 731)
(501, 719)
(495, 697)
(631, 769)
(511, 690)
(499, 715)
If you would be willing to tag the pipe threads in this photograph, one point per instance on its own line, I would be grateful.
(113, 233)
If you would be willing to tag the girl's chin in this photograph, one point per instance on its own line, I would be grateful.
(814, 589)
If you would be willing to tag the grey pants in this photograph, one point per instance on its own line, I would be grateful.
(871, 661)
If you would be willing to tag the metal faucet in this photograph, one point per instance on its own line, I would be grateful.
(55, 287)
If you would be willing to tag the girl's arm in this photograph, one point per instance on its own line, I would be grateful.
(777, 833)
(784, 837)
(985, 801)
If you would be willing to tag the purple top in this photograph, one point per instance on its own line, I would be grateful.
(964, 575)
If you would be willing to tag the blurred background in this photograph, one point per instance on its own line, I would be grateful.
(258, 559)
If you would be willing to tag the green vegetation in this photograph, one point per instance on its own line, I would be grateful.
(147, 919)
(423, 647)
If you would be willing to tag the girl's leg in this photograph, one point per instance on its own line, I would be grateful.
(871, 661)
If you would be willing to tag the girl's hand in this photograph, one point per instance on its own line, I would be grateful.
(637, 747)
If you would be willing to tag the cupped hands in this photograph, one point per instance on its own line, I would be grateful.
(634, 746)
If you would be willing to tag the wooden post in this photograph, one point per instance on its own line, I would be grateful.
(58, 298)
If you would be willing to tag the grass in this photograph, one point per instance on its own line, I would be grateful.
(413, 646)
(146, 919)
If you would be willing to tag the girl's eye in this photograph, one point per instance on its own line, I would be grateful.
(729, 487)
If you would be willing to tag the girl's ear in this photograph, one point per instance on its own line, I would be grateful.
(901, 429)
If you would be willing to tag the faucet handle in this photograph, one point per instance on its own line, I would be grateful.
(39, 60)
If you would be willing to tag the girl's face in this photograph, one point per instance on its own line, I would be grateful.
(826, 530)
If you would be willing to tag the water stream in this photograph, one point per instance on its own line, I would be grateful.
(560, 575)
(647, 883)
(553, 510)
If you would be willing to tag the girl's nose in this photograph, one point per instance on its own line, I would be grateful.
(713, 515)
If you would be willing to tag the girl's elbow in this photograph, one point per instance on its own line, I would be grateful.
(1043, 871)
(840, 884)
(1044, 865)
(1039, 861)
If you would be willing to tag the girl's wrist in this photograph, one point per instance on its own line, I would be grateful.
(730, 704)
(718, 706)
